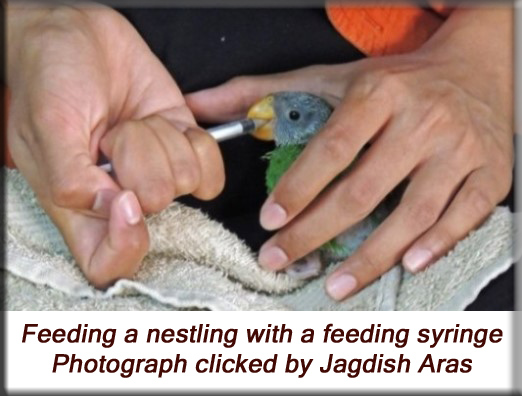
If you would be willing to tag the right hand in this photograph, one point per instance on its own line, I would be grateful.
(83, 81)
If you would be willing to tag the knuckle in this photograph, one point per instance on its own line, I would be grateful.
(390, 81)
(239, 82)
(126, 138)
(442, 110)
(206, 195)
(202, 142)
(368, 85)
(479, 201)
(382, 84)
(368, 266)
(217, 184)
(216, 187)
(187, 179)
(66, 13)
(157, 198)
(210, 190)
(423, 214)
(372, 78)
(209, 194)
(41, 35)
(56, 26)
(244, 90)
(359, 197)
(333, 143)
(64, 190)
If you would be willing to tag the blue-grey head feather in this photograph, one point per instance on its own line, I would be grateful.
(298, 116)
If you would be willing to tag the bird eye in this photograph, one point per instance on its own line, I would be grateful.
(294, 115)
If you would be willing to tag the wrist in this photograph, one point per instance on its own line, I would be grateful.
(475, 49)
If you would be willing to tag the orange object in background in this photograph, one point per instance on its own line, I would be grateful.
(386, 30)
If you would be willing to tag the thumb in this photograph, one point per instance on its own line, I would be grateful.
(75, 182)
(106, 249)
(64, 169)
(232, 99)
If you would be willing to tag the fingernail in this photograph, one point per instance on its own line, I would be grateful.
(272, 257)
(102, 202)
(338, 286)
(416, 259)
(131, 208)
(272, 216)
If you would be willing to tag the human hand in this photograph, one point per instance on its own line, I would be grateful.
(82, 80)
(440, 117)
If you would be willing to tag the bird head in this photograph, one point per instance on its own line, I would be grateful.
(292, 117)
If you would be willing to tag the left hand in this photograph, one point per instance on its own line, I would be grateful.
(440, 117)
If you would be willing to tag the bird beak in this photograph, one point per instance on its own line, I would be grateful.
(263, 110)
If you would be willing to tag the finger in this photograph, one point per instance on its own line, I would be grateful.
(177, 116)
(180, 154)
(421, 205)
(232, 99)
(120, 253)
(107, 250)
(141, 163)
(347, 202)
(212, 170)
(64, 160)
(350, 127)
(472, 204)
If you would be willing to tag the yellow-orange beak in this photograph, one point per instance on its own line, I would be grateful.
(263, 110)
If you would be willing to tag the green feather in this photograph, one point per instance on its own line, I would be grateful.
(336, 249)
(279, 160)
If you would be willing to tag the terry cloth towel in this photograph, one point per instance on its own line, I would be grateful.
(194, 263)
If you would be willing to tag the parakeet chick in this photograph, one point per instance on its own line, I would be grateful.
(292, 119)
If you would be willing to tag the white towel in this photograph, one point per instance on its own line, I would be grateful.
(194, 263)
